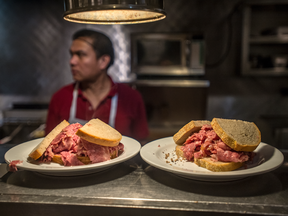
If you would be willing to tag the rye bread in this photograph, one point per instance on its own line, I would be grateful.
(100, 133)
(217, 166)
(187, 130)
(41, 147)
(179, 152)
(237, 134)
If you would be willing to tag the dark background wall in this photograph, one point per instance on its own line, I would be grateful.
(34, 57)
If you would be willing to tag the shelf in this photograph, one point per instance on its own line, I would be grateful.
(266, 2)
(268, 71)
(269, 40)
(261, 17)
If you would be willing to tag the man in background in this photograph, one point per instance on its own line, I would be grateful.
(94, 94)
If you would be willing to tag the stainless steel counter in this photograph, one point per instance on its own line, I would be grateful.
(135, 188)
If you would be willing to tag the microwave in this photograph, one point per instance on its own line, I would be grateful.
(167, 54)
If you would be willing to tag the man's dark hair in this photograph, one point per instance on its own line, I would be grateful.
(102, 45)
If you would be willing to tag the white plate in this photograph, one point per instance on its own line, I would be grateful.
(159, 153)
(21, 152)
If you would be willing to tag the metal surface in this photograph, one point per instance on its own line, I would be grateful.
(178, 54)
(135, 187)
(114, 12)
(174, 83)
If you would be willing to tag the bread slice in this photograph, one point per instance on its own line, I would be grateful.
(217, 166)
(41, 147)
(179, 152)
(237, 134)
(83, 159)
(98, 132)
(208, 163)
(191, 127)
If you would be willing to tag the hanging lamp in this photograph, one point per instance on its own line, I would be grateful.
(113, 11)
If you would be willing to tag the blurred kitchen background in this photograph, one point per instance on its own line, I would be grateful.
(241, 49)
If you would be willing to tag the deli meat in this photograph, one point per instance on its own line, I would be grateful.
(70, 159)
(12, 165)
(68, 145)
(207, 143)
(97, 153)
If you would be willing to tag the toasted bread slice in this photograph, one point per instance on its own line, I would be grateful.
(217, 166)
(98, 132)
(41, 147)
(237, 134)
(83, 159)
(179, 152)
(188, 129)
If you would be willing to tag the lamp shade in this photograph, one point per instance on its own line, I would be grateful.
(113, 11)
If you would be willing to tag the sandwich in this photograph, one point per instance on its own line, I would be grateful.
(74, 144)
(219, 145)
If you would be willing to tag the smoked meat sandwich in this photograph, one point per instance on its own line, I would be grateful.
(219, 145)
(74, 144)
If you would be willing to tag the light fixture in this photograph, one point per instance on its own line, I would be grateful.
(113, 11)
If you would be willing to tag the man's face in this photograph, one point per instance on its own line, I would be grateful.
(84, 63)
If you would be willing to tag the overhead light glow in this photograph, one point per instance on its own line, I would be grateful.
(114, 11)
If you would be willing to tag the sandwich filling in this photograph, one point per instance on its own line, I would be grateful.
(70, 146)
(206, 143)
